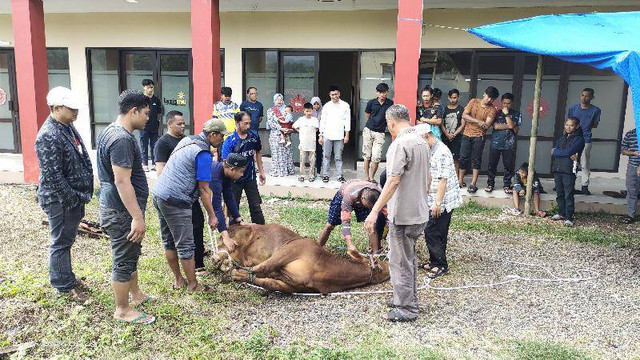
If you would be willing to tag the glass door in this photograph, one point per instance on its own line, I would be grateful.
(299, 83)
(174, 85)
(9, 133)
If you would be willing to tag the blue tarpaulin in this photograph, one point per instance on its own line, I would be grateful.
(602, 40)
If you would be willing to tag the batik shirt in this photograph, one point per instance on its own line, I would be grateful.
(442, 168)
(351, 191)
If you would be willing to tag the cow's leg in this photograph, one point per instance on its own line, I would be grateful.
(279, 259)
(274, 285)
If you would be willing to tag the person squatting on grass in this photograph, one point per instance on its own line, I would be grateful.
(123, 199)
(406, 191)
(444, 196)
(565, 153)
(184, 179)
(65, 185)
(520, 187)
(358, 196)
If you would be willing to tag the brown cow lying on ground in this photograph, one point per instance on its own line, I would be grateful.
(281, 260)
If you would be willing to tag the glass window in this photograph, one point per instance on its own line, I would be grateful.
(446, 70)
(138, 66)
(261, 71)
(552, 68)
(497, 71)
(105, 88)
(58, 64)
(375, 67)
(174, 77)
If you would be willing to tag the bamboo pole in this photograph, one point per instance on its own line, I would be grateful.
(534, 136)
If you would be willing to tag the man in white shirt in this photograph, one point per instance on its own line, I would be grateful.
(335, 125)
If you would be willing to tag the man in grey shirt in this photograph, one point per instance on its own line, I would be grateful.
(406, 192)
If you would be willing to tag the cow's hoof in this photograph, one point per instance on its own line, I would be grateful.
(240, 275)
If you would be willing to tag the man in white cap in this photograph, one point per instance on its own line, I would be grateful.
(65, 186)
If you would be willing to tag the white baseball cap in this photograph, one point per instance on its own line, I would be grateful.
(61, 96)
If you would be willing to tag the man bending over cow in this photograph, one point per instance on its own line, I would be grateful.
(222, 177)
(359, 196)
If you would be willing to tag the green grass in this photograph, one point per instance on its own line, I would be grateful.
(534, 350)
(198, 326)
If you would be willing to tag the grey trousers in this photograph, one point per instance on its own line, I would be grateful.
(633, 187)
(403, 263)
(176, 228)
(64, 228)
(585, 163)
(328, 147)
(125, 253)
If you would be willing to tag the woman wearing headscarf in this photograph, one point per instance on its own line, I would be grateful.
(317, 113)
(281, 158)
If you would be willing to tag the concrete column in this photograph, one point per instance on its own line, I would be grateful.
(408, 49)
(31, 77)
(205, 43)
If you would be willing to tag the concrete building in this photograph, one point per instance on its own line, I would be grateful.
(298, 48)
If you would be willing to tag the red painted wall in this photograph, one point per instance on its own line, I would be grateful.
(31, 77)
(205, 39)
(408, 50)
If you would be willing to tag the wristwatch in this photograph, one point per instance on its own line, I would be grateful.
(438, 203)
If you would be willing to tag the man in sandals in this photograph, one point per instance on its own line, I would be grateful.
(503, 144)
(123, 200)
(65, 186)
(478, 116)
(406, 191)
(444, 196)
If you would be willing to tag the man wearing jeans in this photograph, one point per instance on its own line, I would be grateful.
(589, 116)
(123, 199)
(184, 179)
(629, 148)
(335, 125)
(149, 135)
(65, 185)
(406, 191)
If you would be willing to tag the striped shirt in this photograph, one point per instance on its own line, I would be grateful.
(630, 143)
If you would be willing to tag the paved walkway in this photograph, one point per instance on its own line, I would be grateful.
(11, 172)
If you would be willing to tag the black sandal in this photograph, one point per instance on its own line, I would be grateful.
(488, 189)
(628, 219)
(425, 266)
(507, 190)
(472, 189)
(437, 271)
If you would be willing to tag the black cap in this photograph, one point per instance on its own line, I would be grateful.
(236, 160)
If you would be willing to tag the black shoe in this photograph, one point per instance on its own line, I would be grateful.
(325, 179)
(628, 219)
(342, 179)
(585, 190)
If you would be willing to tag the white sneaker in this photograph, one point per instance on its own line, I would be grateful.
(288, 144)
(557, 217)
(145, 168)
(281, 141)
(568, 223)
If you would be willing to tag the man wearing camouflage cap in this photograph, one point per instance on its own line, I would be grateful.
(184, 179)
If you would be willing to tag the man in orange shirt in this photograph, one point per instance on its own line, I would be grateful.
(478, 116)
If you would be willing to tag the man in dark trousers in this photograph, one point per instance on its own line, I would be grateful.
(565, 153)
(246, 142)
(149, 135)
(65, 186)
(503, 144)
(164, 147)
(589, 117)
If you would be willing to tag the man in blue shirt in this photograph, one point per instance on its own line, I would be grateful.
(223, 174)
(503, 143)
(629, 148)
(246, 142)
(589, 117)
(184, 179)
(253, 107)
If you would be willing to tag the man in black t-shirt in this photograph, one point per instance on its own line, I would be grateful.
(453, 126)
(123, 199)
(373, 134)
(165, 145)
(149, 135)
